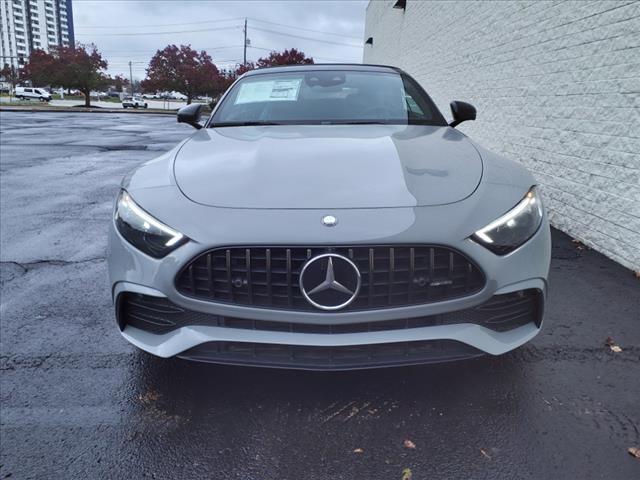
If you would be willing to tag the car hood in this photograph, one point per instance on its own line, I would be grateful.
(327, 166)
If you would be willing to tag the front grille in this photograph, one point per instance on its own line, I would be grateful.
(500, 313)
(331, 358)
(269, 277)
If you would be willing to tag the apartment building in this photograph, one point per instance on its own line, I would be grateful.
(27, 25)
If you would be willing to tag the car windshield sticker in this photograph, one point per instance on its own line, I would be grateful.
(269, 91)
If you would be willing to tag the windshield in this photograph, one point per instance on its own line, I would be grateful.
(323, 97)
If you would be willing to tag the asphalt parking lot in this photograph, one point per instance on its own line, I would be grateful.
(152, 103)
(77, 401)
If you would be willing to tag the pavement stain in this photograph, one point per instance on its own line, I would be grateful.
(357, 409)
(156, 414)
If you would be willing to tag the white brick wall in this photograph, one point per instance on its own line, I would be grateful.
(556, 86)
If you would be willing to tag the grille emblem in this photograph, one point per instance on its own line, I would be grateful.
(329, 221)
(330, 281)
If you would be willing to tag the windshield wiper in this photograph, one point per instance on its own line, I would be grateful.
(242, 124)
(361, 122)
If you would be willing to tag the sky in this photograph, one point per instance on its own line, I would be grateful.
(132, 30)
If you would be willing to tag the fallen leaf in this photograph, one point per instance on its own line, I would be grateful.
(358, 450)
(615, 348)
(406, 474)
(409, 444)
(609, 341)
(634, 451)
(579, 245)
(484, 452)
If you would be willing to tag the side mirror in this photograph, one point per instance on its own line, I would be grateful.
(462, 111)
(191, 114)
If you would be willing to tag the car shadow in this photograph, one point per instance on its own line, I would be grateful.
(194, 389)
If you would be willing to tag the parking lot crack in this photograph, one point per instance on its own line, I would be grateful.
(26, 266)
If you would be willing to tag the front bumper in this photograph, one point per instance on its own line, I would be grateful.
(524, 269)
(145, 318)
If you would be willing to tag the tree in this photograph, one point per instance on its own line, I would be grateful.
(229, 76)
(182, 69)
(41, 68)
(81, 67)
(242, 69)
(286, 57)
(119, 82)
(11, 74)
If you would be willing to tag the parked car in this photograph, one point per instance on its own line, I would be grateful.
(134, 102)
(177, 96)
(151, 96)
(35, 93)
(300, 227)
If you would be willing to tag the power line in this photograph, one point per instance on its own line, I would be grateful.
(306, 38)
(156, 33)
(143, 64)
(262, 48)
(313, 56)
(153, 52)
(162, 24)
(305, 29)
(324, 32)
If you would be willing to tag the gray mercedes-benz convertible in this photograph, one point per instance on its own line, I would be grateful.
(328, 217)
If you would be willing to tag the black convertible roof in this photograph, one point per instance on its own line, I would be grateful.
(362, 67)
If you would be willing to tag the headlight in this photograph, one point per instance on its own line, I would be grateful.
(513, 228)
(143, 231)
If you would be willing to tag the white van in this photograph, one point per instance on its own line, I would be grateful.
(28, 93)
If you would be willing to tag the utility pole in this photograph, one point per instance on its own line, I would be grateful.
(245, 43)
(131, 77)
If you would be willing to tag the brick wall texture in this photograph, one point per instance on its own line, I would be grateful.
(557, 88)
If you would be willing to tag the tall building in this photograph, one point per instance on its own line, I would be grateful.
(27, 25)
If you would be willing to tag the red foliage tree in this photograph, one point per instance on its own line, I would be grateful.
(286, 57)
(184, 70)
(229, 76)
(242, 69)
(41, 68)
(119, 82)
(81, 67)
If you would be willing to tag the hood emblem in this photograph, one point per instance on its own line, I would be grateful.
(329, 221)
(330, 281)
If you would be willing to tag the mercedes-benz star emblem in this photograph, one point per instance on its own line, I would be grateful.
(330, 281)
